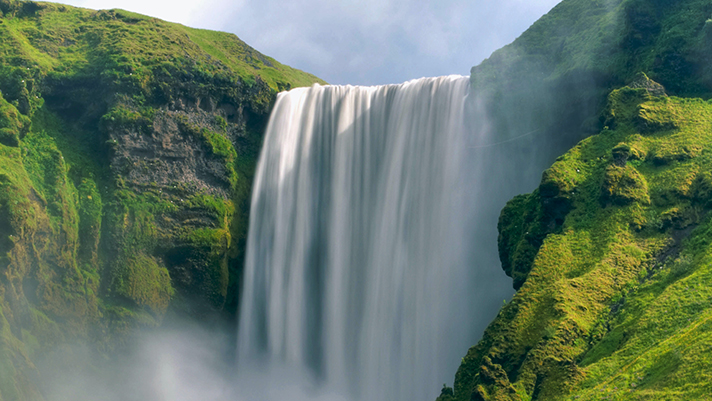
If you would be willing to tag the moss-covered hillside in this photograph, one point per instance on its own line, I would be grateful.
(613, 257)
(555, 77)
(127, 146)
(611, 253)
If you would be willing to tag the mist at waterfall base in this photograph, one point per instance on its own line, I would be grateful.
(372, 259)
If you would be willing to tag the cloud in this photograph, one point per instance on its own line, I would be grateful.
(358, 41)
(386, 41)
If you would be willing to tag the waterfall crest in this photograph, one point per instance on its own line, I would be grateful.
(359, 256)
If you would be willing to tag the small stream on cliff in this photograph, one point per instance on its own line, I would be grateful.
(371, 260)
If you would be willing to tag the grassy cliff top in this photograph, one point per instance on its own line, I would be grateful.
(610, 41)
(60, 40)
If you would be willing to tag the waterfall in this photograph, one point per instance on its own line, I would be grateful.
(363, 268)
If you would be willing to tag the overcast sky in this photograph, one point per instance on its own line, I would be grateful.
(362, 42)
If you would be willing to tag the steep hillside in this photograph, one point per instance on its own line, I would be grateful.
(610, 254)
(127, 146)
(555, 77)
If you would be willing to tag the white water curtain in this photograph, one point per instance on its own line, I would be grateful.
(359, 267)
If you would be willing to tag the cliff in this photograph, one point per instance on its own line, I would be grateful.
(556, 76)
(127, 147)
(610, 254)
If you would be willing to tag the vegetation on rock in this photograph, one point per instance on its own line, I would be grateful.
(555, 78)
(610, 254)
(614, 297)
(127, 147)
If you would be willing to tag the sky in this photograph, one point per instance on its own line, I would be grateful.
(358, 42)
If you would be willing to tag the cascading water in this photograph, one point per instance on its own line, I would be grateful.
(363, 241)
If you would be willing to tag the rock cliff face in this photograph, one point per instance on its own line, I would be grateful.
(127, 146)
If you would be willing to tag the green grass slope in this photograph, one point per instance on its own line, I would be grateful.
(62, 40)
(612, 256)
(127, 148)
(555, 77)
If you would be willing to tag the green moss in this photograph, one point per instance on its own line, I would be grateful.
(123, 116)
(623, 105)
(13, 125)
(701, 189)
(90, 218)
(47, 332)
(217, 144)
(8, 371)
(612, 300)
(121, 323)
(657, 116)
(220, 146)
(143, 281)
(48, 170)
(221, 209)
(522, 230)
(623, 185)
(88, 252)
(631, 150)
(206, 237)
